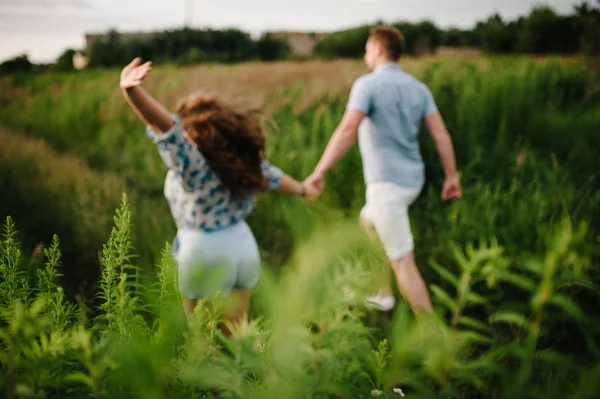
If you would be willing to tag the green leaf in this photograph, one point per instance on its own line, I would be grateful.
(470, 322)
(444, 273)
(580, 283)
(460, 258)
(80, 378)
(476, 298)
(443, 297)
(38, 305)
(556, 359)
(24, 390)
(510, 318)
(520, 281)
(488, 361)
(468, 375)
(473, 337)
(534, 265)
(566, 304)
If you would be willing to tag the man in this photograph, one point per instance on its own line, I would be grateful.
(389, 106)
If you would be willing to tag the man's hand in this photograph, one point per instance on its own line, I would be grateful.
(133, 74)
(310, 191)
(451, 189)
(315, 183)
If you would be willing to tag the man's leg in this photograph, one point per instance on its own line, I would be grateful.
(386, 219)
(411, 284)
(385, 288)
(384, 300)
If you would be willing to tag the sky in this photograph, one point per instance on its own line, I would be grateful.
(43, 29)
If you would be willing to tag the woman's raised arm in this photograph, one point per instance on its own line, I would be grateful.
(150, 111)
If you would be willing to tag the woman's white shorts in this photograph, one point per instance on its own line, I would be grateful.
(223, 260)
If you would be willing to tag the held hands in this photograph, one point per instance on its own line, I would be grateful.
(314, 185)
(133, 74)
(309, 192)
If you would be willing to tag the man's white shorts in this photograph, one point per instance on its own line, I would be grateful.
(386, 212)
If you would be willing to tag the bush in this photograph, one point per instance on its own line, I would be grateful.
(20, 63)
(65, 61)
(269, 48)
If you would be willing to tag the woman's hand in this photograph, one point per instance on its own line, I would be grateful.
(311, 191)
(133, 74)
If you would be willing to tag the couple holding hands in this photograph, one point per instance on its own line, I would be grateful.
(216, 166)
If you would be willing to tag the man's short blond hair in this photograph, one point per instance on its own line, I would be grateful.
(391, 38)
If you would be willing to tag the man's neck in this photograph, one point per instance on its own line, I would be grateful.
(383, 61)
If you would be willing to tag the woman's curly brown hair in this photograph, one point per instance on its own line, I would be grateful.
(232, 142)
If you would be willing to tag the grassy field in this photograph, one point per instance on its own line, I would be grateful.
(513, 267)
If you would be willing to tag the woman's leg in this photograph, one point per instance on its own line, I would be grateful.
(238, 313)
(227, 261)
(188, 306)
(243, 248)
(201, 268)
(238, 310)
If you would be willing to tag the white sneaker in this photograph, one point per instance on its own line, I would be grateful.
(384, 303)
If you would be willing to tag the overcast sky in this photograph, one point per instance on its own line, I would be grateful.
(44, 28)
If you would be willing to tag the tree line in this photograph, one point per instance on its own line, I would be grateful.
(181, 46)
(543, 31)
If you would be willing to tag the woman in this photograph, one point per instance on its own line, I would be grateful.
(215, 157)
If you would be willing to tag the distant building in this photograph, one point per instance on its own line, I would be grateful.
(301, 43)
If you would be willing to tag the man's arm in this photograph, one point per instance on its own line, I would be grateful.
(344, 137)
(436, 127)
(341, 141)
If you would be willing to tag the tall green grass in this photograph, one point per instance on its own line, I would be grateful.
(489, 337)
(513, 267)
